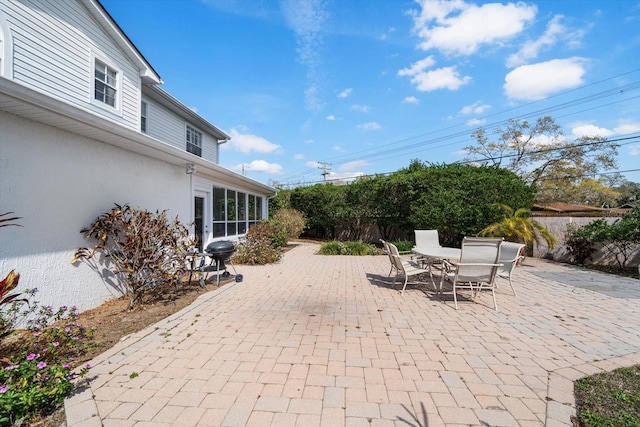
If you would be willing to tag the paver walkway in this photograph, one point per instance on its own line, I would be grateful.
(324, 341)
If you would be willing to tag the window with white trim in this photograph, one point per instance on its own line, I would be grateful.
(194, 141)
(143, 116)
(234, 211)
(105, 83)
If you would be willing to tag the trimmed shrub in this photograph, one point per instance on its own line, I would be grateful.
(289, 223)
(348, 248)
(260, 246)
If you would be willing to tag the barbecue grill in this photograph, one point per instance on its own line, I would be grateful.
(220, 252)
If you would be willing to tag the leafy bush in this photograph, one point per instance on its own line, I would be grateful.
(287, 222)
(579, 241)
(347, 248)
(143, 249)
(404, 245)
(38, 375)
(620, 239)
(260, 247)
(333, 247)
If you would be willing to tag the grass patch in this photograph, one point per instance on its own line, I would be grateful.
(610, 399)
(335, 247)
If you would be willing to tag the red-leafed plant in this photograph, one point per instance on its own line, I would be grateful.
(9, 283)
(144, 250)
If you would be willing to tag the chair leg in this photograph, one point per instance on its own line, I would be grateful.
(406, 279)
(495, 303)
(512, 288)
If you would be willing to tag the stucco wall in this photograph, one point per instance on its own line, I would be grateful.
(558, 226)
(59, 182)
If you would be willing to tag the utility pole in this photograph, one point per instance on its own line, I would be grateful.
(244, 172)
(325, 169)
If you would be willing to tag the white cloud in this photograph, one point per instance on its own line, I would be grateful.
(299, 156)
(331, 117)
(351, 166)
(312, 164)
(476, 122)
(369, 126)
(460, 28)
(360, 108)
(309, 141)
(531, 48)
(634, 150)
(345, 93)
(441, 78)
(411, 100)
(260, 166)
(338, 149)
(308, 19)
(590, 130)
(247, 143)
(537, 81)
(476, 108)
(626, 126)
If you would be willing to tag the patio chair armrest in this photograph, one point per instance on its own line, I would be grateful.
(476, 264)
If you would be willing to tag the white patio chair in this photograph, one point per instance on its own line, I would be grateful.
(404, 267)
(428, 239)
(509, 258)
(387, 250)
(477, 268)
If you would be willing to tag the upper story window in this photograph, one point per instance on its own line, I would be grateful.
(143, 116)
(194, 141)
(106, 83)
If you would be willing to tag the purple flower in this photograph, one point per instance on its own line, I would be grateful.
(55, 343)
(42, 365)
(67, 329)
(3, 388)
(66, 365)
(32, 356)
(10, 367)
(36, 334)
(63, 308)
(87, 366)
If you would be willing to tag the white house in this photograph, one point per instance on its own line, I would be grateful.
(83, 125)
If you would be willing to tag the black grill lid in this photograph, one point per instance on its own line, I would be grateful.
(221, 247)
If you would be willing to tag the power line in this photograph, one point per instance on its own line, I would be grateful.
(403, 150)
(629, 139)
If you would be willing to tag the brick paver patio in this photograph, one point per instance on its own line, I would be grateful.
(325, 341)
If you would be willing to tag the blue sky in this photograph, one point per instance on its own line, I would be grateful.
(365, 86)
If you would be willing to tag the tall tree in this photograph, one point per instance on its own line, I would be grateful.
(541, 155)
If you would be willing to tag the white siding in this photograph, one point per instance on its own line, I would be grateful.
(53, 46)
(209, 148)
(59, 182)
(166, 126)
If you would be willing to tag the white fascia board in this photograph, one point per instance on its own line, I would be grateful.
(25, 102)
(147, 73)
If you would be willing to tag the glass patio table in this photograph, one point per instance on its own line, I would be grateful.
(435, 254)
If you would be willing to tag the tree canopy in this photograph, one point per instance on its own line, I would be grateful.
(561, 169)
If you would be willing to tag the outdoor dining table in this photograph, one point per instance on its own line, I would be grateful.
(437, 253)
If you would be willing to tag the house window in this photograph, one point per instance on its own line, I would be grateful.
(194, 141)
(106, 83)
(234, 212)
(143, 117)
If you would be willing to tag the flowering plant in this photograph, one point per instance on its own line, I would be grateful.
(38, 376)
(31, 385)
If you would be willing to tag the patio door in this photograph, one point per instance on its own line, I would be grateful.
(201, 223)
